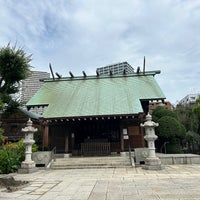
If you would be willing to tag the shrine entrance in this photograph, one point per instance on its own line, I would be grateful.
(95, 138)
(86, 137)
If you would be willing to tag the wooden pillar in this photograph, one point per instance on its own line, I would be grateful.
(141, 119)
(73, 140)
(67, 143)
(142, 137)
(46, 136)
(122, 139)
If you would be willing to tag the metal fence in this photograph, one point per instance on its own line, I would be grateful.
(97, 148)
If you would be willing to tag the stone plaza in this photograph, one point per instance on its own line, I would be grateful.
(175, 182)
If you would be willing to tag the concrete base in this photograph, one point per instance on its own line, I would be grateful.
(152, 161)
(153, 164)
(153, 167)
(42, 158)
(67, 155)
(27, 170)
(124, 153)
(63, 155)
(140, 155)
(29, 164)
(173, 159)
(27, 167)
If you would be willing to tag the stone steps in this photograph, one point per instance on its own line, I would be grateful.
(91, 162)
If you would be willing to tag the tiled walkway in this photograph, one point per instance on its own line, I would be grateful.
(174, 182)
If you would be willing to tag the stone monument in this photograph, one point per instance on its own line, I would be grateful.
(28, 165)
(152, 162)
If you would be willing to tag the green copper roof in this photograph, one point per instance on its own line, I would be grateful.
(30, 114)
(96, 96)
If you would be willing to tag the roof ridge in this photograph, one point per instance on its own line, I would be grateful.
(98, 76)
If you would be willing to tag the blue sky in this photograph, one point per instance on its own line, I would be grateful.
(81, 35)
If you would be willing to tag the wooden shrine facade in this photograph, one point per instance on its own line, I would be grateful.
(94, 135)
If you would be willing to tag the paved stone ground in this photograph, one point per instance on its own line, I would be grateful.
(174, 182)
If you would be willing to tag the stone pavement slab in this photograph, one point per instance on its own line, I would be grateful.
(177, 182)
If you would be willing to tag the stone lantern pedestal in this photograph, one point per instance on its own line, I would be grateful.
(28, 165)
(152, 162)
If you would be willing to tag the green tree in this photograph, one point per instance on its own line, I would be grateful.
(1, 136)
(196, 111)
(187, 117)
(1, 130)
(193, 141)
(14, 67)
(170, 130)
(161, 111)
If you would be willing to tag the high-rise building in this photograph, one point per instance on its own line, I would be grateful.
(118, 68)
(189, 99)
(31, 85)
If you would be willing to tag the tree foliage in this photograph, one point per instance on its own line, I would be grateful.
(196, 111)
(1, 136)
(169, 127)
(190, 116)
(187, 117)
(170, 130)
(193, 137)
(11, 156)
(161, 111)
(14, 67)
(1, 130)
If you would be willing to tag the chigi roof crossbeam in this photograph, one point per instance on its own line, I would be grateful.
(111, 75)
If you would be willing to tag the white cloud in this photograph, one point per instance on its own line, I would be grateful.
(83, 35)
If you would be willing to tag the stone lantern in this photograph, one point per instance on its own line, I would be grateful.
(152, 162)
(28, 165)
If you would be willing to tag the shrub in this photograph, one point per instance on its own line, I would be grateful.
(161, 111)
(9, 159)
(193, 137)
(170, 128)
(11, 156)
(173, 148)
(1, 136)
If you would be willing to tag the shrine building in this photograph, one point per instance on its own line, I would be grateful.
(95, 115)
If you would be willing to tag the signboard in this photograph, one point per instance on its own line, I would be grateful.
(125, 137)
(125, 134)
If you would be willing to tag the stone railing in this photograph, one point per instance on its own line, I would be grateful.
(44, 158)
